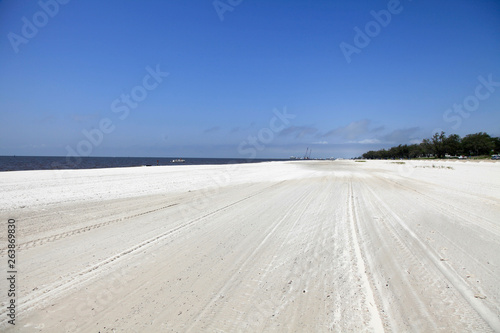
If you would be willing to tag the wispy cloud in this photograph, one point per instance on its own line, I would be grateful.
(356, 130)
(299, 132)
(369, 141)
(212, 130)
(398, 136)
(239, 129)
(320, 143)
(81, 118)
(362, 132)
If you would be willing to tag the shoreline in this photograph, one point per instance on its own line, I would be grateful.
(35, 188)
(18, 163)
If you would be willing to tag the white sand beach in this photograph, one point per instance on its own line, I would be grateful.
(298, 246)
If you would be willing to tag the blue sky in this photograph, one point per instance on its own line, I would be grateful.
(349, 76)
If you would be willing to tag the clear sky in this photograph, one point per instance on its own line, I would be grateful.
(243, 79)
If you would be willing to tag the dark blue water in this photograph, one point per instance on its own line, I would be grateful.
(14, 163)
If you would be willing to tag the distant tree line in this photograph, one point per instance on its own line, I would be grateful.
(440, 145)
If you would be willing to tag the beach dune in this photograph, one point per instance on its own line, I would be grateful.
(298, 246)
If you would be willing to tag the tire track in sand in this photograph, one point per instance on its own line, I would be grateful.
(52, 238)
(375, 320)
(54, 290)
(409, 244)
(448, 209)
(248, 260)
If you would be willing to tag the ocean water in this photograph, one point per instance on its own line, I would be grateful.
(15, 163)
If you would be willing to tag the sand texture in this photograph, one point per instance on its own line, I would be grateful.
(299, 246)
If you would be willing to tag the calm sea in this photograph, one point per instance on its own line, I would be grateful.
(14, 163)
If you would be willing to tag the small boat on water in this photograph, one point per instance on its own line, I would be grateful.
(178, 160)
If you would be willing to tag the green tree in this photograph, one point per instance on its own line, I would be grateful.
(472, 144)
(496, 142)
(438, 147)
(453, 144)
(415, 151)
(426, 147)
(478, 144)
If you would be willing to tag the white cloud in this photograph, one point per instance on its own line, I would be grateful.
(401, 136)
(298, 131)
(369, 141)
(354, 131)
